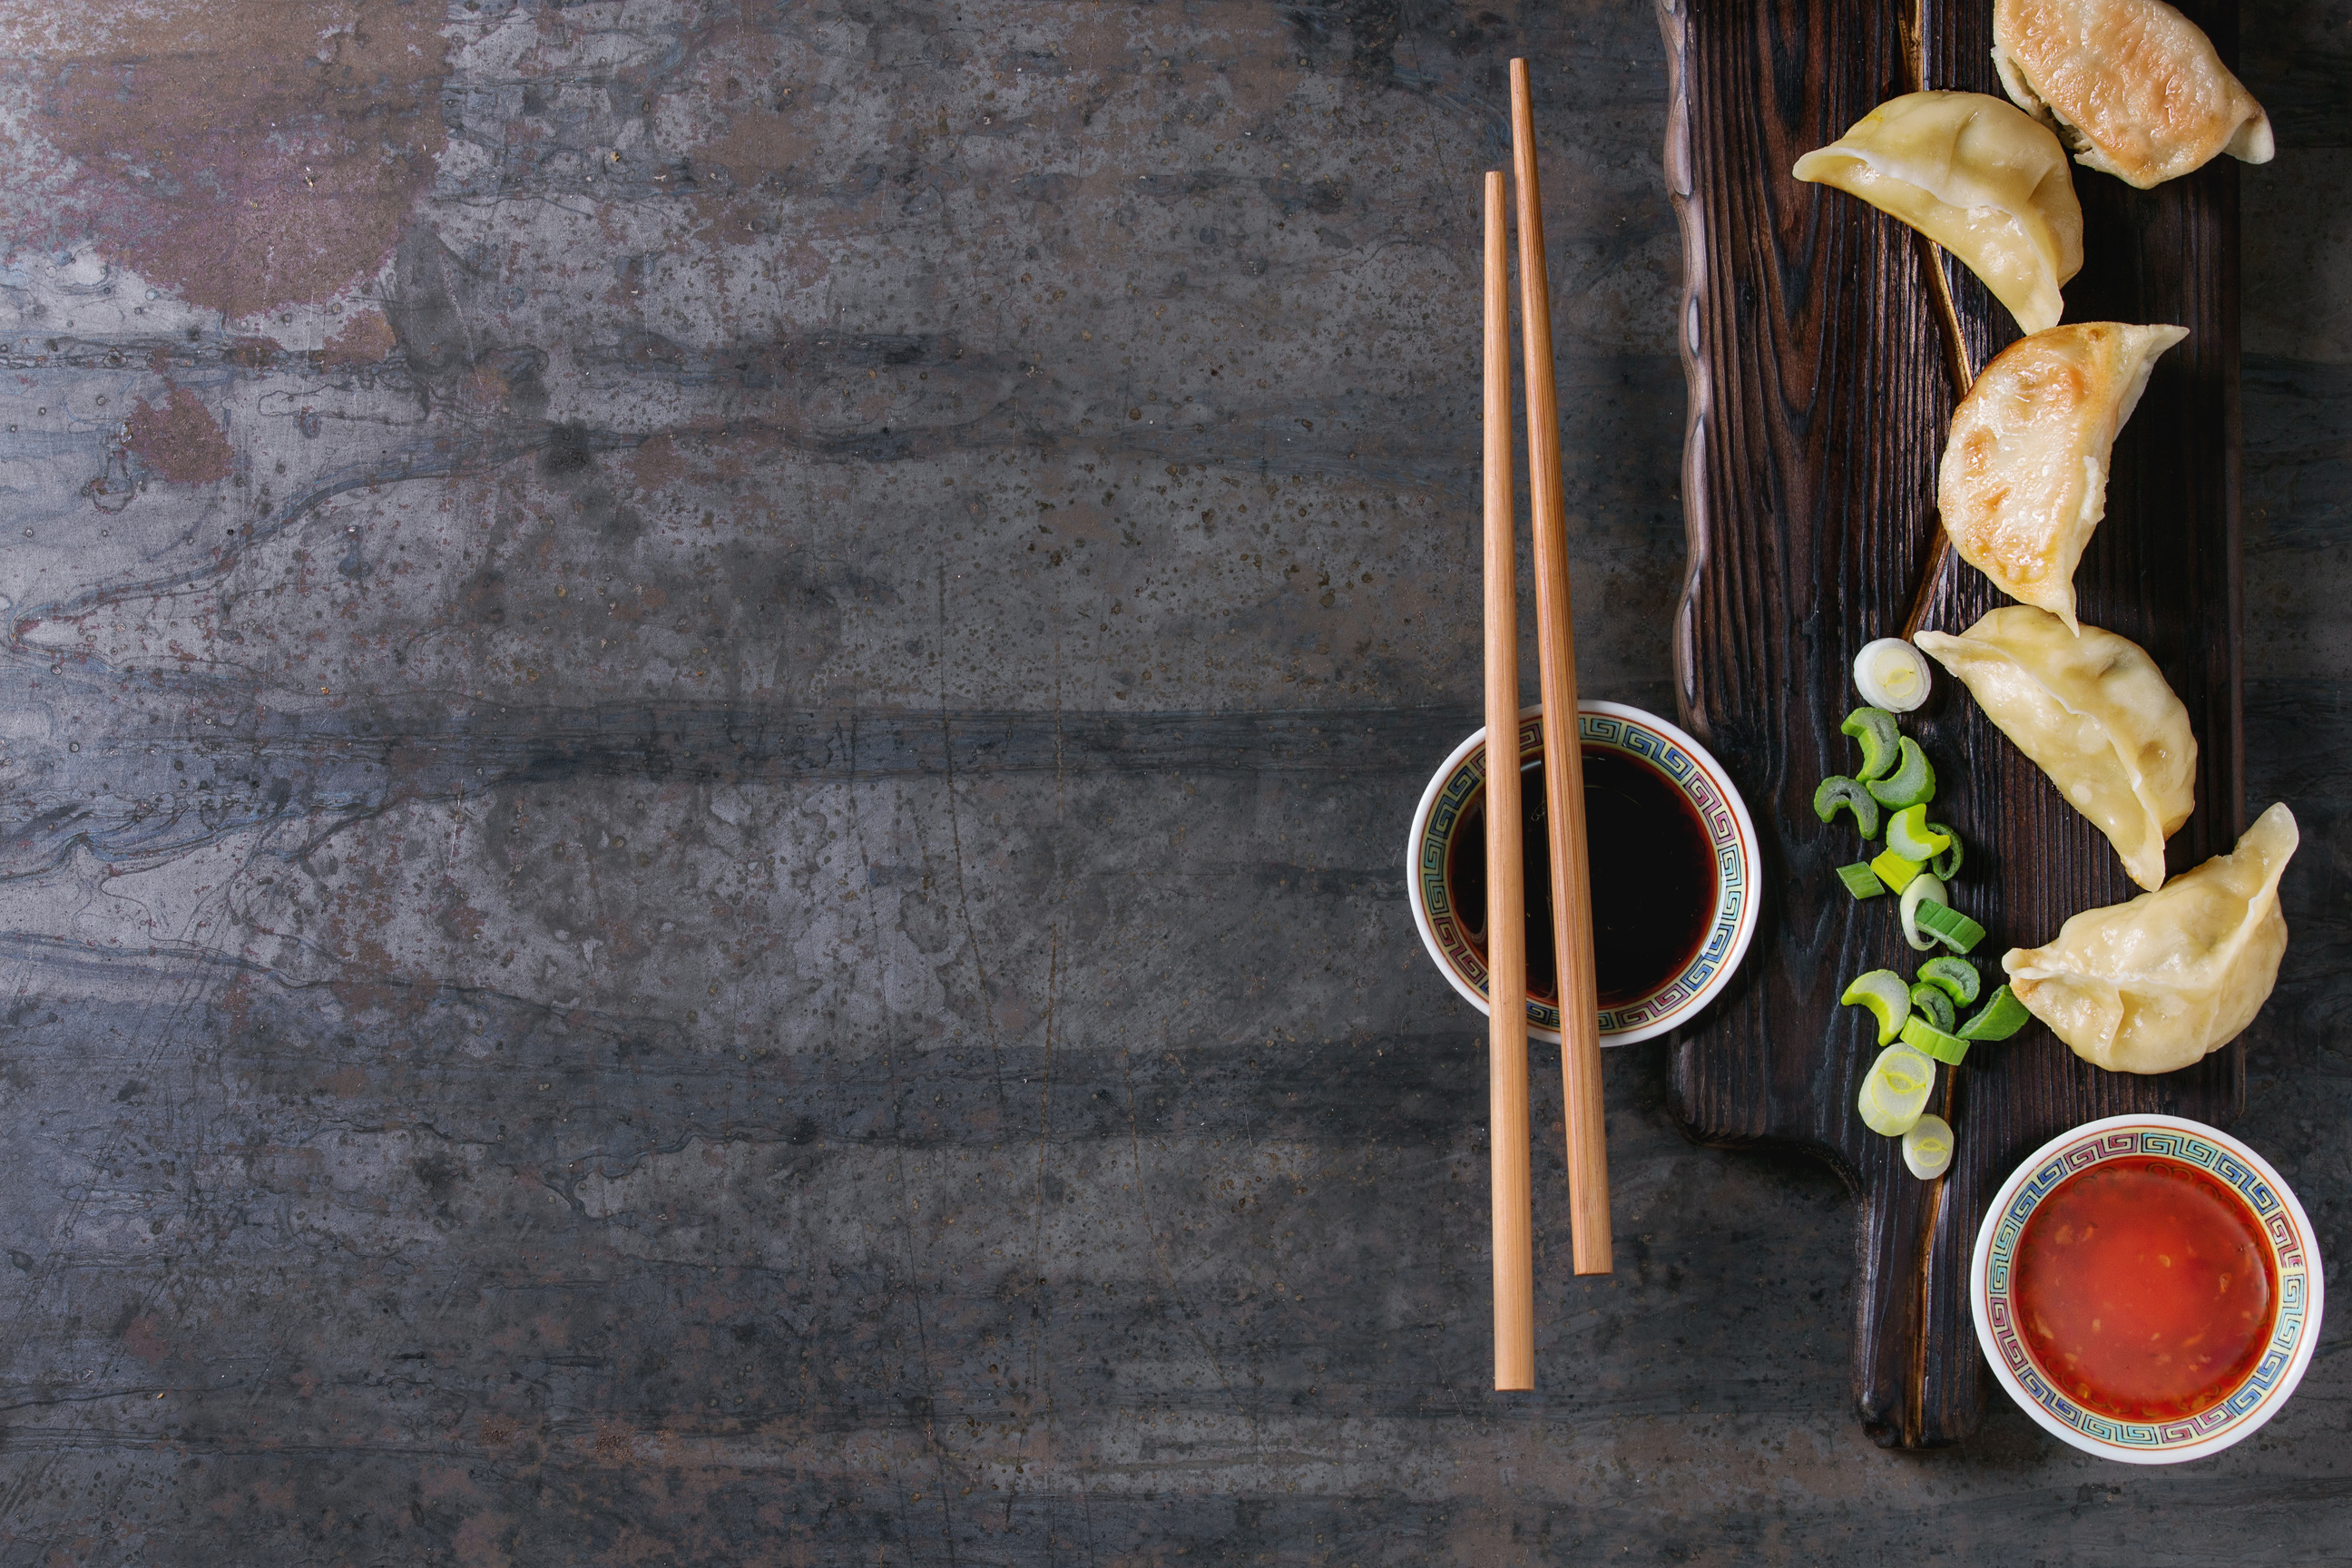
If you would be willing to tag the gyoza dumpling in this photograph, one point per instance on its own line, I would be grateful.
(2133, 86)
(1981, 178)
(2093, 712)
(2156, 984)
(2024, 479)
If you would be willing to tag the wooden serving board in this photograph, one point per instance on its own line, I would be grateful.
(1819, 342)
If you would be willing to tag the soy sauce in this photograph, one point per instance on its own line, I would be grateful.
(1652, 877)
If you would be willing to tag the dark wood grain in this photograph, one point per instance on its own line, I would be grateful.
(1820, 340)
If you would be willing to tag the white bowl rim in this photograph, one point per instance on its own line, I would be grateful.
(2314, 1311)
(1741, 934)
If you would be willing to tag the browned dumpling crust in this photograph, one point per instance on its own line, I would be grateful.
(2024, 477)
(2134, 85)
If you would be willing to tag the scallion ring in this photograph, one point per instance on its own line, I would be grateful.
(1889, 1001)
(2002, 1016)
(1932, 1003)
(1950, 926)
(1873, 729)
(1913, 781)
(1928, 1147)
(1838, 792)
(1946, 865)
(1895, 1091)
(1891, 673)
(1925, 888)
(1958, 976)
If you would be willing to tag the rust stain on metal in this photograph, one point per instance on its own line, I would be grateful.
(367, 339)
(246, 154)
(703, 910)
(181, 441)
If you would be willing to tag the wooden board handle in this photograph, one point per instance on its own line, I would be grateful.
(1918, 1378)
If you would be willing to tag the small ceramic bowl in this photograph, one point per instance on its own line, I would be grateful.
(1682, 762)
(2302, 1288)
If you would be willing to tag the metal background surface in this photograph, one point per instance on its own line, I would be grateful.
(708, 718)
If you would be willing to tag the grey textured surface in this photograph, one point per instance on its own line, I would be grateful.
(709, 715)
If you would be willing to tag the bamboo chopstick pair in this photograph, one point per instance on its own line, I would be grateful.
(1571, 891)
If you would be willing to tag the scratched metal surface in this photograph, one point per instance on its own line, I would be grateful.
(706, 724)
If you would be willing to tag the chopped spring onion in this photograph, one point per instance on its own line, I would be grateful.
(1922, 890)
(1839, 792)
(1956, 976)
(1950, 926)
(1946, 865)
(1861, 881)
(1923, 1036)
(2001, 1015)
(1931, 1003)
(1913, 781)
(1881, 741)
(1928, 1147)
(1892, 674)
(1895, 1091)
(1908, 834)
(1889, 999)
(1897, 870)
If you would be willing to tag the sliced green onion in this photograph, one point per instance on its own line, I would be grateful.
(1947, 864)
(1956, 976)
(1913, 781)
(1924, 891)
(1889, 999)
(1837, 792)
(1922, 1035)
(2001, 1015)
(1928, 1147)
(1950, 926)
(1881, 741)
(1895, 870)
(1908, 834)
(1931, 1003)
(1895, 1091)
(1892, 674)
(1861, 881)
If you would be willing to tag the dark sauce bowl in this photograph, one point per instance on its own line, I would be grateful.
(1672, 850)
(2165, 1233)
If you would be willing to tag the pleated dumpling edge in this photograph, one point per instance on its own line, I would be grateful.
(1978, 175)
(2159, 983)
(2090, 710)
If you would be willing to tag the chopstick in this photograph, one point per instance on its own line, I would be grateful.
(1507, 908)
(1572, 890)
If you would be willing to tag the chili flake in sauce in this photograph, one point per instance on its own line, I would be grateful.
(2145, 1289)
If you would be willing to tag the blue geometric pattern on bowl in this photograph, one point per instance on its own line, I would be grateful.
(1635, 740)
(2289, 1251)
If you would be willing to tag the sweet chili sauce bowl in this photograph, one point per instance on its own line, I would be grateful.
(1455, 934)
(2230, 1172)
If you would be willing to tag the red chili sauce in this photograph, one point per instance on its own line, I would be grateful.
(2144, 1290)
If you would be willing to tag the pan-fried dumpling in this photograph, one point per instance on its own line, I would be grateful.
(1979, 177)
(2156, 984)
(2024, 477)
(2093, 712)
(2133, 86)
